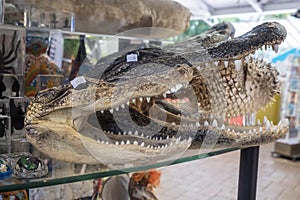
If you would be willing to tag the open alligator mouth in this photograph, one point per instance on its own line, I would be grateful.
(170, 99)
(233, 83)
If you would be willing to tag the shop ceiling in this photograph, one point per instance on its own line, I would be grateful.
(250, 13)
(202, 9)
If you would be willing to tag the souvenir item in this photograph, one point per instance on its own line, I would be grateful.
(9, 55)
(17, 115)
(142, 185)
(208, 70)
(15, 195)
(5, 170)
(30, 167)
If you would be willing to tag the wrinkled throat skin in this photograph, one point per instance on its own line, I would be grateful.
(171, 99)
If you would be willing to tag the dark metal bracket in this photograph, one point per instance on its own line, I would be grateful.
(248, 173)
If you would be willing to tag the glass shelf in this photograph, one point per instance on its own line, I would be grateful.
(63, 172)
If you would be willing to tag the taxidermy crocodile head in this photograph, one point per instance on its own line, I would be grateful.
(159, 104)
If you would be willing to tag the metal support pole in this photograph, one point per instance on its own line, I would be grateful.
(248, 173)
(2, 2)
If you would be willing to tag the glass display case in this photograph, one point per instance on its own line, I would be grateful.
(46, 53)
(49, 74)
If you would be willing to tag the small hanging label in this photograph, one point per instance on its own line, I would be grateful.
(131, 57)
(78, 81)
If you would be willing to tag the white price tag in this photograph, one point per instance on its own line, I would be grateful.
(132, 58)
(77, 81)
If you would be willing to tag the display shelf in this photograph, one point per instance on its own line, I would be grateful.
(289, 148)
(62, 172)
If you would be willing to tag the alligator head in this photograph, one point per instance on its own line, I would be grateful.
(214, 77)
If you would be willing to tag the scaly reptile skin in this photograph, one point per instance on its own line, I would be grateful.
(138, 125)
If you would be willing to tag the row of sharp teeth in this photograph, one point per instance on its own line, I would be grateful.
(274, 47)
(237, 63)
(148, 99)
(136, 133)
(268, 125)
(178, 141)
(174, 89)
(123, 106)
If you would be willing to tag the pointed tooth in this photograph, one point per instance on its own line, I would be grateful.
(117, 108)
(133, 100)
(178, 86)
(136, 133)
(128, 142)
(268, 125)
(106, 142)
(148, 146)
(215, 123)
(123, 106)
(102, 111)
(178, 140)
(141, 99)
(173, 123)
(265, 119)
(286, 122)
(142, 135)
(129, 133)
(258, 122)
(238, 64)
(119, 133)
(127, 103)
(206, 123)
(197, 124)
(117, 143)
(148, 99)
(111, 110)
(247, 58)
(275, 47)
(102, 142)
(124, 133)
(223, 127)
(226, 63)
(122, 143)
(143, 144)
(168, 137)
(164, 95)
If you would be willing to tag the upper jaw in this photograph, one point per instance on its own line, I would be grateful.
(259, 37)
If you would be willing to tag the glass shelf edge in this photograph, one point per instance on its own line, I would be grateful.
(84, 177)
